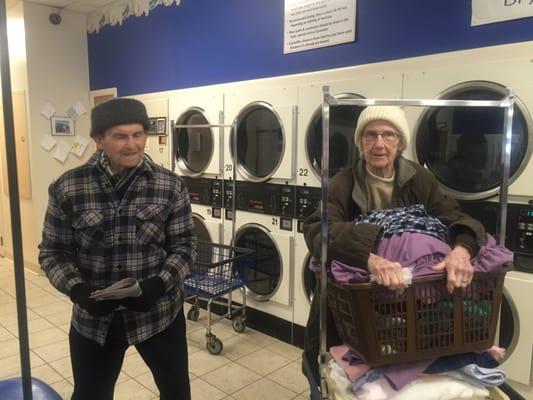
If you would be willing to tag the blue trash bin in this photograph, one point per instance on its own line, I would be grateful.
(11, 389)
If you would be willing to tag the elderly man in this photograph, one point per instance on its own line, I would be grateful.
(384, 179)
(121, 216)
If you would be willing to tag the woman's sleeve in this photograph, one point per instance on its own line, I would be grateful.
(348, 243)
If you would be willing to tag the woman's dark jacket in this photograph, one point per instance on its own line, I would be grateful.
(413, 184)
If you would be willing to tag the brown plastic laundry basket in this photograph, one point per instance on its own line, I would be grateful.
(422, 322)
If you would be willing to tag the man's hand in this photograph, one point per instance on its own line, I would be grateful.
(80, 293)
(152, 290)
(387, 273)
(458, 268)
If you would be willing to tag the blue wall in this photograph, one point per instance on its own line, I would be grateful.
(202, 42)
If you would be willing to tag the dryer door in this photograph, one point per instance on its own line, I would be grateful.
(260, 142)
(197, 151)
(342, 149)
(269, 277)
(193, 147)
(265, 134)
(462, 146)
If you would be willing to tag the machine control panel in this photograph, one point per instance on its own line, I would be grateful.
(307, 200)
(204, 191)
(262, 198)
(519, 230)
(216, 192)
(522, 239)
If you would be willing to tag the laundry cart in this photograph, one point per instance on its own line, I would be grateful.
(422, 322)
(217, 272)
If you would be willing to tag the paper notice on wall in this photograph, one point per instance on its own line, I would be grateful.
(48, 142)
(79, 146)
(489, 11)
(47, 110)
(79, 108)
(61, 151)
(76, 110)
(310, 24)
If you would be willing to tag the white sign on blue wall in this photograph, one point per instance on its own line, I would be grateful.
(489, 11)
(310, 24)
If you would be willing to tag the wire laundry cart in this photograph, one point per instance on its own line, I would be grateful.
(216, 272)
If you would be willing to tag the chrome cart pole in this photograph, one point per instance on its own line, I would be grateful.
(506, 164)
(14, 206)
(234, 177)
(233, 144)
(324, 230)
(329, 101)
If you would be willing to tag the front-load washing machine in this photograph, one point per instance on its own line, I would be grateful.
(265, 133)
(343, 151)
(197, 151)
(516, 320)
(206, 204)
(516, 332)
(462, 146)
(267, 229)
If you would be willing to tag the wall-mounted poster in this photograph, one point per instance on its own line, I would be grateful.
(311, 24)
(489, 11)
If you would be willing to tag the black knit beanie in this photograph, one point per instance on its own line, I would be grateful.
(118, 112)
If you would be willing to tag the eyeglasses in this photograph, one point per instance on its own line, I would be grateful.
(387, 136)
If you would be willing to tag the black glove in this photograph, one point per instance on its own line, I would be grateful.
(152, 290)
(79, 294)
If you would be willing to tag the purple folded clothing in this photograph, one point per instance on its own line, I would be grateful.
(421, 253)
(400, 375)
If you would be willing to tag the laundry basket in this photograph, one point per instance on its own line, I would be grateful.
(421, 322)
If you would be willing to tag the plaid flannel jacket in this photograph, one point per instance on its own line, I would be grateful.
(92, 236)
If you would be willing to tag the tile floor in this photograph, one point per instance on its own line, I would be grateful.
(252, 366)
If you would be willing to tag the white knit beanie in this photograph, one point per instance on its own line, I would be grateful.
(392, 114)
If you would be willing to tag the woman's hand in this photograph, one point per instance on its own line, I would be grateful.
(458, 268)
(387, 273)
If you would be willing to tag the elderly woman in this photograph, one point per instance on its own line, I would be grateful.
(384, 179)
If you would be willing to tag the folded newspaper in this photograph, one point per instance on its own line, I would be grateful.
(127, 287)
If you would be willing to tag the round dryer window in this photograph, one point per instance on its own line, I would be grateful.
(260, 142)
(202, 234)
(462, 146)
(200, 229)
(509, 324)
(308, 279)
(193, 147)
(342, 149)
(264, 277)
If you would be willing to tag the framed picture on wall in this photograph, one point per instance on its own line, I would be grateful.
(153, 126)
(62, 126)
(99, 96)
(161, 125)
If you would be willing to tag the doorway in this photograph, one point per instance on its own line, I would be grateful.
(2, 197)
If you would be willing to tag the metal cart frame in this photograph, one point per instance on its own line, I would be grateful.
(329, 101)
(216, 273)
(213, 344)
